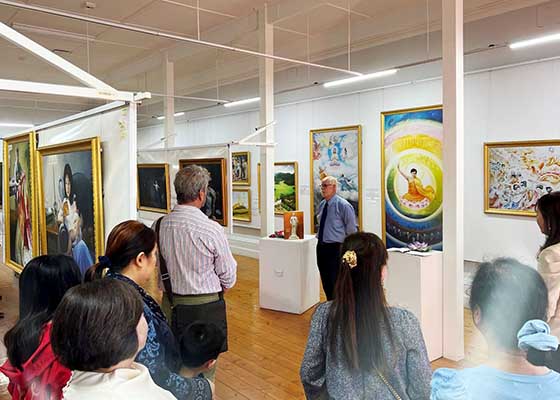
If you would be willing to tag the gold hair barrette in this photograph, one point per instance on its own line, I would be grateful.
(350, 258)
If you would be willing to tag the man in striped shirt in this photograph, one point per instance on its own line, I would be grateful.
(195, 248)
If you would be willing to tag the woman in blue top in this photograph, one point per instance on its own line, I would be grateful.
(131, 257)
(509, 303)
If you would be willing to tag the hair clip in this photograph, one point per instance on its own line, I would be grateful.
(350, 258)
(105, 261)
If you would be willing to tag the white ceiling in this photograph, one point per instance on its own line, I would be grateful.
(382, 33)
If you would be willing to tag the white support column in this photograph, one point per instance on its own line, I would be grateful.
(133, 154)
(453, 180)
(169, 102)
(266, 90)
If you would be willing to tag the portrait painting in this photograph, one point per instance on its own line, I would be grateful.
(215, 206)
(241, 203)
(517, 174)
(70, 201)
(20, 221)
(153, 188)
(337, 152)
(241, 168)
(412, 176)
(285, 187)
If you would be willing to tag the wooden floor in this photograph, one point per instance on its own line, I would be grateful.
(265, 347)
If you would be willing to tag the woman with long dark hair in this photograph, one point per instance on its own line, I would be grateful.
(508, 302)
(131, 256)
(358, 347)
(32, 368)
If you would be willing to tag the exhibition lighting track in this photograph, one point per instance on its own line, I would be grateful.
(536, 41)
(152, 32)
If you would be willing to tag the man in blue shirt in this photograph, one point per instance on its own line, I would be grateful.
(337, 220)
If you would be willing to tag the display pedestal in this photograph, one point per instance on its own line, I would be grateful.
(416, 284)
(288, 276)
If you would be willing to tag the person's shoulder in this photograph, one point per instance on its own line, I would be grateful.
(400, 316)
(551, 253)
(449, 384)
(321, 313)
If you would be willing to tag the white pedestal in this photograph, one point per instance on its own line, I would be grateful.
(288, 274)
(416, 284)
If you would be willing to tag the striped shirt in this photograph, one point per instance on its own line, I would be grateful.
(196, 251)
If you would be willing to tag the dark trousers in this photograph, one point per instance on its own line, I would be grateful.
(328, 261)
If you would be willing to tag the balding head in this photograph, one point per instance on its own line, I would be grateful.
(328, 187)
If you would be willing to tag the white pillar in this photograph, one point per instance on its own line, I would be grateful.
(169, 102)
(453, 180)
(133, 161)
(266, 91)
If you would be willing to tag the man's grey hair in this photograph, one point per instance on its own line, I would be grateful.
(330, 179)
(189, 181)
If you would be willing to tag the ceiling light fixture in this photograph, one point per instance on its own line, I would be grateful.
(536, 41)
(179, 114)
(241, 102)
(374, 75)
(14, 125)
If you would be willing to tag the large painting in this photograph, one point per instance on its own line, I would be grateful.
(412, 176)
(517, 174)
(285, 187)
(241, 203)
(153, 188)
(70, 200)
(241, 168)
(337, 152)
(216, 198)
(21, 240)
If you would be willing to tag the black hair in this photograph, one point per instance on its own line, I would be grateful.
(358, 315)
(68, 173)
(95, 325)
(200, 342)
(413, 170)
(549, 207)
(42, 284)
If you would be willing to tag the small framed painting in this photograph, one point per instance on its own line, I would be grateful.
(285, 187)
(241, 168)
(153, 188)
(241, 205)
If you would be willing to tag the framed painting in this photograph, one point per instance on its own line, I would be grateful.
(412, 176)
(285, 187)
(216, 198)
(337, 152)
(1, 185)
(517, 174)
(241, 204)
(259, 186)
(241, 168)
(70, 200)
(20, 210)
(153, 188)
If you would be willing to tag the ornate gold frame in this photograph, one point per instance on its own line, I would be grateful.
(31, 138)
(248, 181)
(167, 188)
(489, 145)
(222, 162)
(296, 182)
(94, 145)
(311, 189)
(382, 147)
(248, 219)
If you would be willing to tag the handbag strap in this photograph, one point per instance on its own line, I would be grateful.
(389, 386)
(165, 279)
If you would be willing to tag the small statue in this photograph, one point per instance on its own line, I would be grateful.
(294, 224)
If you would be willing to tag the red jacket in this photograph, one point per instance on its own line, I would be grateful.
(42, 378)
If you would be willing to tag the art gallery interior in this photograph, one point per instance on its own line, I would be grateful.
(158, 82)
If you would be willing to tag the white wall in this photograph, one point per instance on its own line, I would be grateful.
(517, 103)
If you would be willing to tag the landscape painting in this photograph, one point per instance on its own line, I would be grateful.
(285, 187)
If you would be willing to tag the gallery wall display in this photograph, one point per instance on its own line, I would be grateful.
(153, 188)
(216, 198)
(285, 187)
(241, 204)
(517, 174)
(70, 200)
(241, 168)
(412, 176)
(293, 219)
(20, 210)
(337, 152)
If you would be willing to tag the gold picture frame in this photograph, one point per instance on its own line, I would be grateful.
(95, 233)
(241, 212)
(29, 139)
(244, 159)
(524, 182)
(259, 186)
(294, 164)
(213, 165)
(313, 151)
(164, 206)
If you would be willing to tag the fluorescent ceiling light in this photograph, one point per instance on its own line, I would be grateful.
(177, 114)
(161, 117)
(14, 125)
(533, 42)
(241, 102)
(360, 78)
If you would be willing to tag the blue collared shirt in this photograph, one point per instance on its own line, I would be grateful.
(340, 222)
